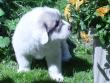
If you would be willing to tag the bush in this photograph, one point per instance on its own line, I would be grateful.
(89, 14)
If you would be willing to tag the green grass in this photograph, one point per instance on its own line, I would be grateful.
(76, 71)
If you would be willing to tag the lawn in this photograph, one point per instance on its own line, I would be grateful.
(79, 70)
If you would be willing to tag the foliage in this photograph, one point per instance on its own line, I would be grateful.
(4, 42)
(90, 14)
(1, 12)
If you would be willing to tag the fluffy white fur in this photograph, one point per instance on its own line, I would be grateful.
(31, 40)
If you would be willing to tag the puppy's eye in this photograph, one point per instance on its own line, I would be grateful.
(58, 29)
(54, 28)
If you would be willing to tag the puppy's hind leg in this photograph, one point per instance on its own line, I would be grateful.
(23, 62)
(54, 67)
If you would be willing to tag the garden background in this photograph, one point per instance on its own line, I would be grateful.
(83, 15)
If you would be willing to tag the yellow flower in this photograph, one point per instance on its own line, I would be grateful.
(73, 2)
(102, 11)
(67, 13)
(84, 36)
(77, 3)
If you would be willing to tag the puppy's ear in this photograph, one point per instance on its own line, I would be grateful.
(44, 35)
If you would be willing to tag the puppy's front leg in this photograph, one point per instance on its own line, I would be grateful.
(23, 62)
(66, 56)
(54, 67)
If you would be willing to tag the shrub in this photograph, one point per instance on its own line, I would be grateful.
(89, 14)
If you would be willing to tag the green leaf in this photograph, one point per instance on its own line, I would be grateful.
(1, 12)
(108, 21)
(98, 26)
(83, 26)
(109, 1)
(87, 18)
(11, 24)
(96, 13)
(1, 1)
(4, 41)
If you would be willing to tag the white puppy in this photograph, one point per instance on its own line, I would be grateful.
(39, 34)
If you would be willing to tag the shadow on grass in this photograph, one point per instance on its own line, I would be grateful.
(6, 80)
(39, 64)
(75, 65)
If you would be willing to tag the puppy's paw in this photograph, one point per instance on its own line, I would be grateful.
(23, 70)
(57, 77)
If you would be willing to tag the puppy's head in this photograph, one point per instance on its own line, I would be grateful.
(55, 27)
